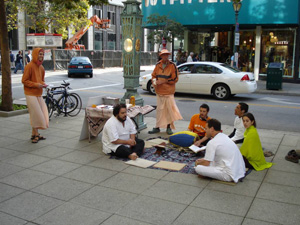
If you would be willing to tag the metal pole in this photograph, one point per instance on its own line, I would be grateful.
(236, 31)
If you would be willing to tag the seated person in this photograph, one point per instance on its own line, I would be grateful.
(119, 135)
(237, 134)
(197, 124)
(222, 160)
(251, 148)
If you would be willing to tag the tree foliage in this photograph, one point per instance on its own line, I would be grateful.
(163, 27)
(54, 16)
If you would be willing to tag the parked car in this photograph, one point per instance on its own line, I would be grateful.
(219, 79)
(80, 65)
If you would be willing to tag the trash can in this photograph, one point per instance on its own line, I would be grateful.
(274, 76)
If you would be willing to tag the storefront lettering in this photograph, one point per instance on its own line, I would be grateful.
(281, 43)
(172, 2)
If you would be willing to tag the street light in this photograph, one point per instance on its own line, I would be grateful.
(236, 7)
(131, 38)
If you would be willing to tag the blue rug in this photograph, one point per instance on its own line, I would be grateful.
(172, 154)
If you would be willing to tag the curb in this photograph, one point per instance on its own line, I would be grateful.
(13, 113)
(280, 92)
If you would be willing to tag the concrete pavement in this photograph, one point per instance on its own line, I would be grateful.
(65, 181)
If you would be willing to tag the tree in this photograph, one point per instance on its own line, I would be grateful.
(164, 27)
(56, 15)
(5, 62)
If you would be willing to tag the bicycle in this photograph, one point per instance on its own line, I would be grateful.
(68, 103)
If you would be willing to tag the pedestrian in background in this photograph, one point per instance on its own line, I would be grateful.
(164, 78)
(190, 58)
(34, 82)
(19, 62)
(178, 57)
(28, 57)
(12, 60)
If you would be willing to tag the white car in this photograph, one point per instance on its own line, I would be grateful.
(219, 79)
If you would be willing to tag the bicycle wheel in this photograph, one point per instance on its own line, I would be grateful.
(71, 104)
(50, 106)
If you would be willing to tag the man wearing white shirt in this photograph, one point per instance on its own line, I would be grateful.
(223, 160)
(119, 135)
(237, 134)
(190, 58)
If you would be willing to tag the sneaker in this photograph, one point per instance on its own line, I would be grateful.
(154, 130)
(169, 131)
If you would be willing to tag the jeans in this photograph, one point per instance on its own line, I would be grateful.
(19, 66)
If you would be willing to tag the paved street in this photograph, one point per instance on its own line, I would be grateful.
(276, 110)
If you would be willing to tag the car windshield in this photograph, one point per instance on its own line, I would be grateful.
(80, 59)
(230, 68)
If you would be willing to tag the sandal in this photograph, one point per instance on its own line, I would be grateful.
(268, 153)
(35, 139)
(292, 156)
(39, 136)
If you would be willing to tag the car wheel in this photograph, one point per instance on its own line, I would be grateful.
(91, 75)
(69, 75)
(151, 88)
(221, 91)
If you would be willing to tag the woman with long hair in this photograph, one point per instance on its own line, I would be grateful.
(251, 148)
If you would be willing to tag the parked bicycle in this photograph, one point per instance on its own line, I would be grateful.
(60, 100)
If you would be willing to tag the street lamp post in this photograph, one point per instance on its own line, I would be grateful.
(236, 6)
(131, 38)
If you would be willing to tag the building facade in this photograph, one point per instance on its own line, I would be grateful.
(94, 39)
(269, 31)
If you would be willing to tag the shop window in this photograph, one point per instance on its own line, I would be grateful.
(247, 51)
(111, 43)
(98, 41)
(112, 17)
(278, 46)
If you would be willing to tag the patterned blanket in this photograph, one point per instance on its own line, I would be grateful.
(97, 117)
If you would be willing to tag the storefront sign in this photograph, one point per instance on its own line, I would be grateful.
(44, 40)
(281, 43)
(237, 39)
(212, 12)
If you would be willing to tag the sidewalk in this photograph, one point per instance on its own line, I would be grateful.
(292, 89)
(65, 181)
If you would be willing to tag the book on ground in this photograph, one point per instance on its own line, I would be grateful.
(140, 163)
(197, 149)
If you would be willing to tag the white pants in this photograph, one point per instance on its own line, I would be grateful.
(213, 172)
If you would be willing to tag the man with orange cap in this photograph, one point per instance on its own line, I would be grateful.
(164, 78)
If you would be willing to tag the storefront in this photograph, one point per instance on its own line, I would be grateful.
(269, 31)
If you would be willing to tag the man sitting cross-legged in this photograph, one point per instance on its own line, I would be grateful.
(197, 124)
(237, 134)
(223, 160)
(119, 135)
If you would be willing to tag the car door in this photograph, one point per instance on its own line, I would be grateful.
(204, 78)
(184, 78)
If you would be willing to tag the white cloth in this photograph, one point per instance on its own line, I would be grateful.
(239, 129)
(225, 160)
(114, 130)
(189, 59)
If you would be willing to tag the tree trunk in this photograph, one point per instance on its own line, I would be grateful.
(7, 103)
